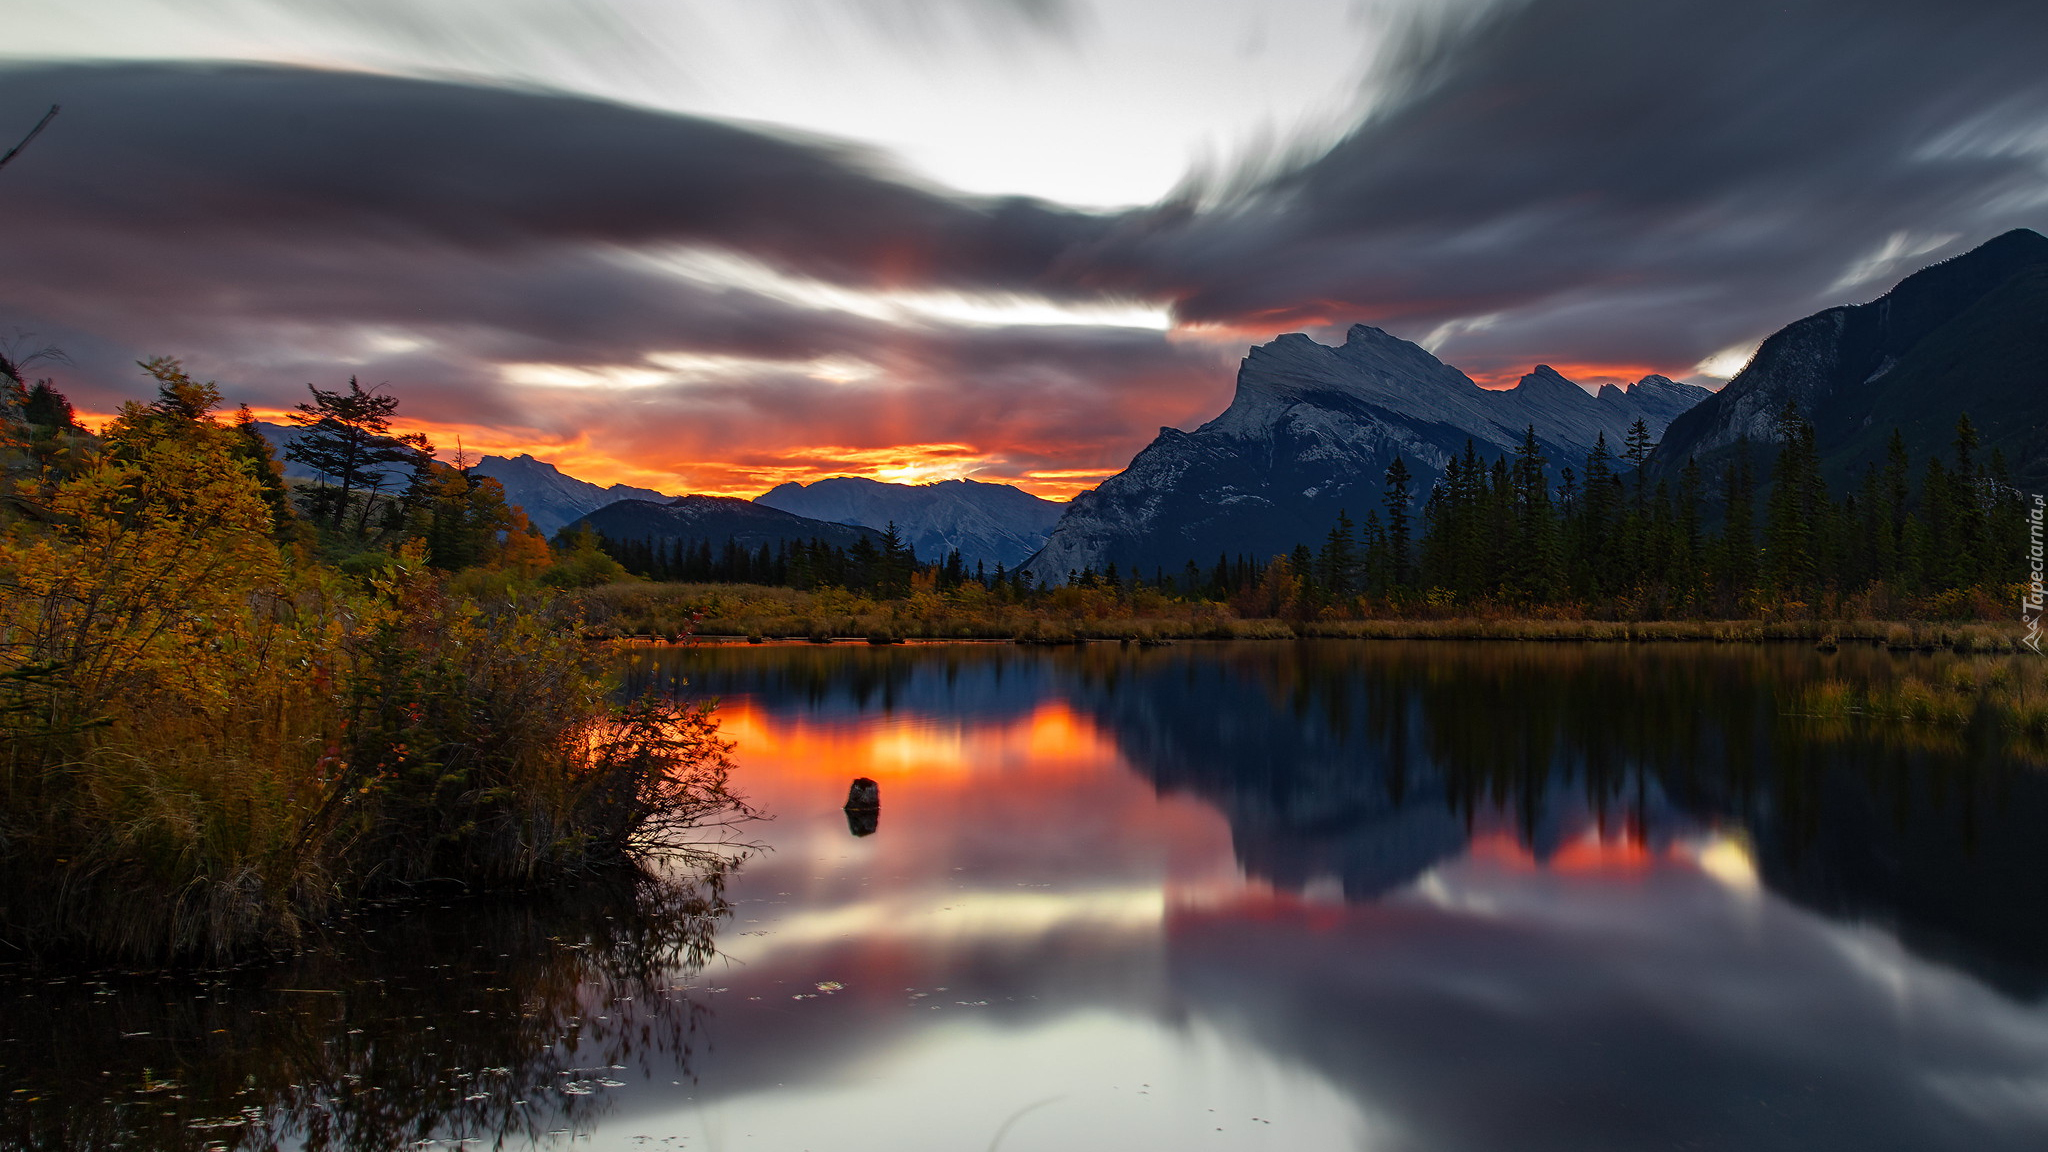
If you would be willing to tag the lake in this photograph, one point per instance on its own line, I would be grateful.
(1255, 895)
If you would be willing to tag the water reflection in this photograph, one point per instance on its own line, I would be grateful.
(1251, 896)
(1364, 765)
(494, 1022)
(1485, 896)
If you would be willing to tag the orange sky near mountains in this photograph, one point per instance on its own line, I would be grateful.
(703, 466)
(584, 459)
(784, 242)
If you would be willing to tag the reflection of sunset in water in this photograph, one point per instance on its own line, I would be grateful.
(1246, 897)
(1052, 740)
(1292, 897)
(1068, 839)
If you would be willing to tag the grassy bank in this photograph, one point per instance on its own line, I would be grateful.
(666, 611)
(661, 611)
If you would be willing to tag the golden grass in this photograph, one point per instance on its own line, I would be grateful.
(2008, 692)
(647, 611)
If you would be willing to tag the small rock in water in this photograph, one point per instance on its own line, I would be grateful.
(865, 795)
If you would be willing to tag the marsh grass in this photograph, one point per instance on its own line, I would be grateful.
(673, 611)
(2006, 694)
(656, 612)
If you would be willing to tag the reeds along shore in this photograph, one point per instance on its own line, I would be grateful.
(665, 611)
(212, 735)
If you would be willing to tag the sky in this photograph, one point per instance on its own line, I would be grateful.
(714, 246)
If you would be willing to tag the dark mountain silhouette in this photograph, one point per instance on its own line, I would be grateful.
(552, 497)
(1968, 335)
(717, 519)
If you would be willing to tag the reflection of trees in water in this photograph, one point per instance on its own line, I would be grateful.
(493, 1019)
(1371, 762)
(964, 681)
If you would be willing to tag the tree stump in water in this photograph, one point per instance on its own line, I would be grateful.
(864, 796)
(863, 807)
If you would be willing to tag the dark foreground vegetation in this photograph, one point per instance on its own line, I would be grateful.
(230, 709)
(327, 1049)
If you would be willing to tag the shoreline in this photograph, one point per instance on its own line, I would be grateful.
(1903, 636)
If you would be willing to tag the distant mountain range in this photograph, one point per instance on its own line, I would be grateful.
(987, 523)
(717, 519)
(551, 497)
(1312, 431)
(994, 523)
(1966, 335)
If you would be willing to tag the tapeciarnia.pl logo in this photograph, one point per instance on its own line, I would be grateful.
(2030, 607)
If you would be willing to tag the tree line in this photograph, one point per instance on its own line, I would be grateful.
(887, 568)
(1499, 534)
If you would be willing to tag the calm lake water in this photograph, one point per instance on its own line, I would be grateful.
(1299, 896)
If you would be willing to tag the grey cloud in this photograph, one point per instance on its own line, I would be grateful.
(230, 151)
(1733, 155)
(1597, 181)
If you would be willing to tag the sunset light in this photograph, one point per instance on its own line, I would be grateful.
(1028, 575)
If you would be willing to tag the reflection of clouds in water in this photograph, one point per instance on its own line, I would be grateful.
(1569, 950)
(974, 918)
(1490, 1007)
(1085, 1081)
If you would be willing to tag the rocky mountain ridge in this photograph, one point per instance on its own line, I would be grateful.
(1311, 431)
(1908, 359)
(986, 523)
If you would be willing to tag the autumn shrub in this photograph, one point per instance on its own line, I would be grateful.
(481, 746)
(208, 741)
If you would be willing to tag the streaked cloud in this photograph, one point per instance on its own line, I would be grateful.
(694, 301)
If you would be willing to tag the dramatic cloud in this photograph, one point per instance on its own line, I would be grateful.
(1608, 186)
(282, 224)
(1598, 181)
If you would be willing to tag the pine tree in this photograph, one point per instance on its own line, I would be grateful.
(1691, 558)
(1737, 548)
(1538, 559)
(348, 440)
(1398, 500)
(1794, 532)
(1337, 567)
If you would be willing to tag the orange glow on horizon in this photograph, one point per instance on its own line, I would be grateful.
(579, 457)
(1619, 375)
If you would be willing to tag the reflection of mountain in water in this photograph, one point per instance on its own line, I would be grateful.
(1950, 858)
(1369, 763)
(1328, 770)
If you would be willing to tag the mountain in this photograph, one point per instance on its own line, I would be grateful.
(990, 523)
(551, 497)
(1310, 432)
(717, 519)
(1967, 335)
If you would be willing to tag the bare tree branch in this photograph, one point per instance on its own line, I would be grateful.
(32, 134)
